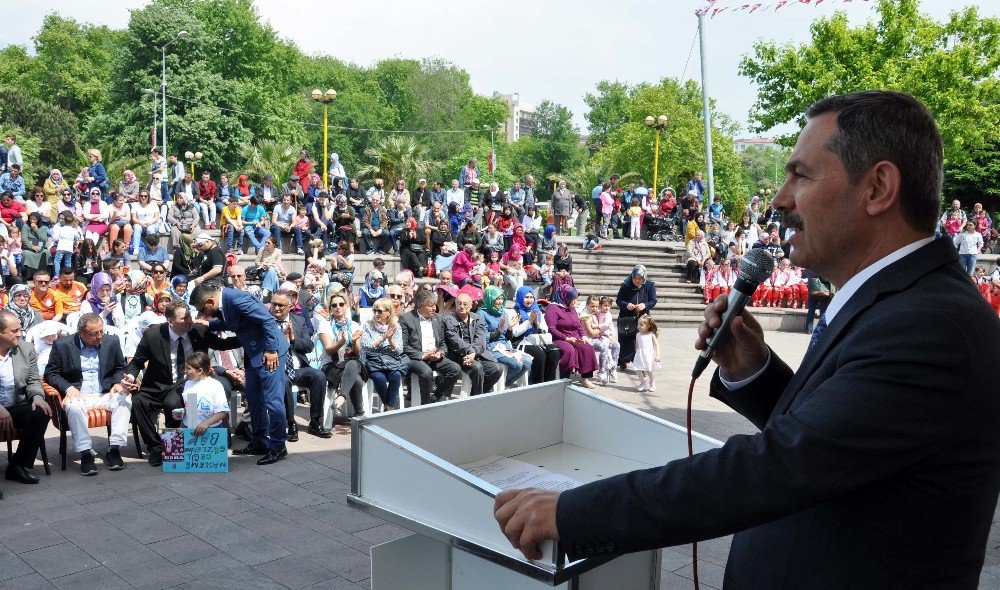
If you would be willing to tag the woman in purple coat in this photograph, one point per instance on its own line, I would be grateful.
(567, 331)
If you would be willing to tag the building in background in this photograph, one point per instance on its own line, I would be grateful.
(520, 117)
(758, 142)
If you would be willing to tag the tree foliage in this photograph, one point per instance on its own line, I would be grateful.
(54, 127)
(682, 145)
(607, 109)
(395, 157)
(951, 66)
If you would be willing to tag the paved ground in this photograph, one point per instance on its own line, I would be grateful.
(287, 525)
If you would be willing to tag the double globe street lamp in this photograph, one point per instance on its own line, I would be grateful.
(660, 123)
(326, 98)
(192, 157)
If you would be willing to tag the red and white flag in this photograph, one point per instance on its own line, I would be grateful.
(493, 162)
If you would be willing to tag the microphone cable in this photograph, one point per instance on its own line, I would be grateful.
(690, 441)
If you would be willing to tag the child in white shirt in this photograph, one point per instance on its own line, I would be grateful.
(67, 234)
(547, 270)
(205, 403)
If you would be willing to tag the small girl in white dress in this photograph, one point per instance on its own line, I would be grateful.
(647, 353)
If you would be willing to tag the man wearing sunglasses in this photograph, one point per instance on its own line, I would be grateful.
(70, 290)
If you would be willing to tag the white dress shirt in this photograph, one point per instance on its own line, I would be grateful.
(7, 390)
(427, 340)
(842, 296)
(188, 351)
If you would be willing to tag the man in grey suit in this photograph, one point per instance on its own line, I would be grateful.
(424, 342)
(22, 401)
(877, 464)
(466, 337)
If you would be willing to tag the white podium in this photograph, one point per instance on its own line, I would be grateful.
(405, 470)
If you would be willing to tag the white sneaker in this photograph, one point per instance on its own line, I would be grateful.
(613, 376)
(652, 387)
(642, 386)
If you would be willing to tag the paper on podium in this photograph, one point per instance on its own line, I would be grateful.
(506, 473)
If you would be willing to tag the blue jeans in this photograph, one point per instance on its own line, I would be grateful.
(231, 231)
(61, 259)
(383, 241)
(968, 262)
(387, 386)
(515, 368)
(277, 232)
(269, 282)
(257, 235)
(137, 232)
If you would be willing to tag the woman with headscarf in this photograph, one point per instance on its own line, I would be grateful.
(578, 355)
(562, 207)
(546, 245)
(54, 185)
(530, 321)
(20, 296)
(183, 258)
(408, 283)
(413, 249)
(178, 289)
(336, 169)
(129, 186)
(135, 300)
(462, 265)
(505, 224)
(636, 297)
(244, 190)
(372, 290)
(96, 214)
(454, 219)
(498, 324)
(68, 204)
(102, 301)
(34, 254)
(302, 169)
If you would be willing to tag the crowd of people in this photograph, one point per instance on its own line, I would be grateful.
(98, 315)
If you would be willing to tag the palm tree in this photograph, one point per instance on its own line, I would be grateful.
(396, 157)
(269, 156)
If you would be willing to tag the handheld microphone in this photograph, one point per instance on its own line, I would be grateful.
(755, 266)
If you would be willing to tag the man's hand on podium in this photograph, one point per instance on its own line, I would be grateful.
(527, 517)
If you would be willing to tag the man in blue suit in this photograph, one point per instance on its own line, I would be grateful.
(265, 350)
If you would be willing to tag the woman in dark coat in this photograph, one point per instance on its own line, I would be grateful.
(636, 297)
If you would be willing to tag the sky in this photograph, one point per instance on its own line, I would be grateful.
(554, 50)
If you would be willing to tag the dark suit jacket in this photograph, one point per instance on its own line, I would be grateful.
(152, 356)
(303, 344)
(27, 383)
(64, 371)
(253, 324)
(413, 340)
(463, 338)
(877, 464)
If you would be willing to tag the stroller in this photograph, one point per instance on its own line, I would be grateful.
(663, 229)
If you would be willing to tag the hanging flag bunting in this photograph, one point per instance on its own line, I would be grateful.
(713, 9)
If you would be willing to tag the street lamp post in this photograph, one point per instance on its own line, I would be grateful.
(493, 152)
(660, 123)
(326, 98)
(163, 84)
(152, 93)
(192, 158)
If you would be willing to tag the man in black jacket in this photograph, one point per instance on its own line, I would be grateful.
(160, 357)
(466, 336)
(877, 464)
(300, 373)
(424, 342)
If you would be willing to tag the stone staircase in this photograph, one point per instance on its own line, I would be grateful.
(598, 273)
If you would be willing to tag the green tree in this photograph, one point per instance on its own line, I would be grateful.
(608, 109)
(682, 144)
(55, 128)
(73, 67)
(554, 147)
(395, 157)
(31, 146)
(763, 168)
(951, 66)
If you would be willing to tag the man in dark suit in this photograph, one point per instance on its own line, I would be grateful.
(299, 373)
(878, 462)
(265, 351)
(466, 337)
(424, 342)
(160, 356)
(22, 401)
(86, 368)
